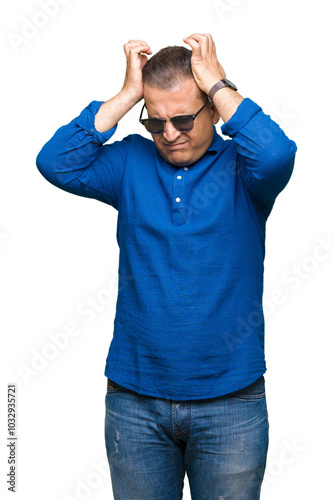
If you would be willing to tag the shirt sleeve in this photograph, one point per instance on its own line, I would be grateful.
(76, 160)
(265, 154)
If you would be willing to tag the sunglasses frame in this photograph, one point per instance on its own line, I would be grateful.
(164, 120)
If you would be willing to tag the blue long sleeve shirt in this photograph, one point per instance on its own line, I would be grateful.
(189, 320)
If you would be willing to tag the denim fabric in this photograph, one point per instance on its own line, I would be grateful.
(221, 444)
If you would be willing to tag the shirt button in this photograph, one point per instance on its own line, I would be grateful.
(185, 168)
(177, 199)
(179, 176)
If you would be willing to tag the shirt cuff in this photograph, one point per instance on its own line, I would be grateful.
(86, 120)
(243, 114)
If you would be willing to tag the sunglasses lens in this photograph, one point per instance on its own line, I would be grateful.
(183, 123)
(154, 126)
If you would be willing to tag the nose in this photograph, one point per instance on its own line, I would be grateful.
(170, 133)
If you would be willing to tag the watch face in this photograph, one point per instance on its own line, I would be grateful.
(229, 83)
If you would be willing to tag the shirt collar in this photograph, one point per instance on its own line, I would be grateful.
(217, 142)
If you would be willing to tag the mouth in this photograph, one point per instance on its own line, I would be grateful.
(175, 146)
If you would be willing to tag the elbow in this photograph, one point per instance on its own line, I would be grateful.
(288, 152)
(43, 160)
(40, 162)
(287, 159)
(45, 165)
(277, 165)
(281, 162)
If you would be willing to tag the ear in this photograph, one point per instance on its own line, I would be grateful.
(215, 114)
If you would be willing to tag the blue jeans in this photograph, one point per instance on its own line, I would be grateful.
(221, 443)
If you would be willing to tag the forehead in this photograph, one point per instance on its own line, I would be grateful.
(165, 103)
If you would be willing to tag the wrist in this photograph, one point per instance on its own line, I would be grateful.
(221, 84)
(129, 97)
(210, 83)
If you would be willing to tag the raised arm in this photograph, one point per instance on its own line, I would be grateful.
(132, 92)
(265, 154)
(75, 160)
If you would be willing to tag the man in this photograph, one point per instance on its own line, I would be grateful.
(185, 369)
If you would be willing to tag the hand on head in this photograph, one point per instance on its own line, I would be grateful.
(136, 54)
(205, 65)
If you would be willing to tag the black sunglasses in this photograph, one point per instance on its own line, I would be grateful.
(183, 123)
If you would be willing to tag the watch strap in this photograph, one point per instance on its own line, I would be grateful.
(219, 85)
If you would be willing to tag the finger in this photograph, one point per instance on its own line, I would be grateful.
(205, 44)
(202, 43)
(142, 48)
(198, 37)
(211, 43)
(144, 60)
(209, 36)
(137, 41)
(131, 44)
(214, 47)
(194, 44)
(191, 41)
(137, 49)
(137, 57)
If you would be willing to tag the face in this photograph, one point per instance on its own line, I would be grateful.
(181, 148)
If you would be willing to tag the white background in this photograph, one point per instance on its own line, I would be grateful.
(57, 249)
